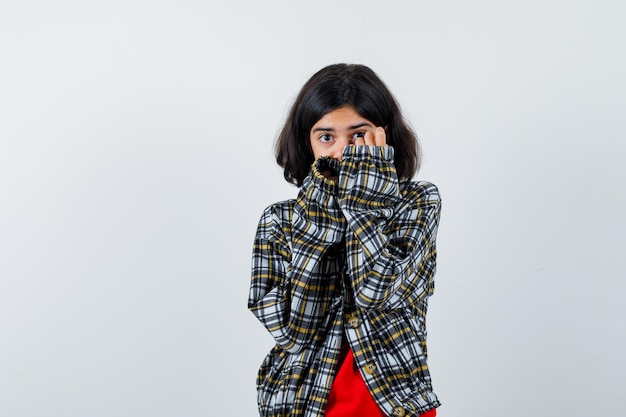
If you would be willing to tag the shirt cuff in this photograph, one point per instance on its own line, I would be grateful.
(376, 153)
(318, 179)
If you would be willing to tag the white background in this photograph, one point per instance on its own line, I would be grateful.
(136, 157)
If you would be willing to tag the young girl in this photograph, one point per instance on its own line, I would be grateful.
(342, 274)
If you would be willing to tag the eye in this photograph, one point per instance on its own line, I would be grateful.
(326, 138)
(358, 135)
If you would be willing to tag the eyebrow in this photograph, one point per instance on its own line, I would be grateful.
(353, 127)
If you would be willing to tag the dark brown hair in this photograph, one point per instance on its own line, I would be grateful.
(332, 87)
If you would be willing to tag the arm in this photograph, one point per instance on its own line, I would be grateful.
(391, 251)
(290, 290)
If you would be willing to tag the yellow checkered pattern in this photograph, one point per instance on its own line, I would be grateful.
(350, 260)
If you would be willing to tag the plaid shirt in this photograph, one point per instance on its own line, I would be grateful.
(348, 260)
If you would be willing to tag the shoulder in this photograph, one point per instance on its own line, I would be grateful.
(276, 218)
(280, 209)
(421, 192)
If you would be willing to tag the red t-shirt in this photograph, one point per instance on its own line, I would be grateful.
(349, 395)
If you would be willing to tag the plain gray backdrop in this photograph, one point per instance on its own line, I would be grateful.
(136, 158)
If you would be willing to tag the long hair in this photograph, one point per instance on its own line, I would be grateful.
(332, 87)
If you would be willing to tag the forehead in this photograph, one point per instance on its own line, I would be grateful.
(345, 117)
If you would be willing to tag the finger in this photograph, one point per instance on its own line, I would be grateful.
(370, 140)
(380, 138)
(359, 142)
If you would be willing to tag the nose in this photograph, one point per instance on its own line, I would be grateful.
(340, 144)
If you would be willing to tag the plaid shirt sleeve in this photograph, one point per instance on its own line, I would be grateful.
(391, 248)
(290, 291)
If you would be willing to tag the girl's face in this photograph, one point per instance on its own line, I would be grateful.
(342, 127)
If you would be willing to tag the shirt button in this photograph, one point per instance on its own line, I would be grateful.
(353, 321)
(399, 411)
(370, 368)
